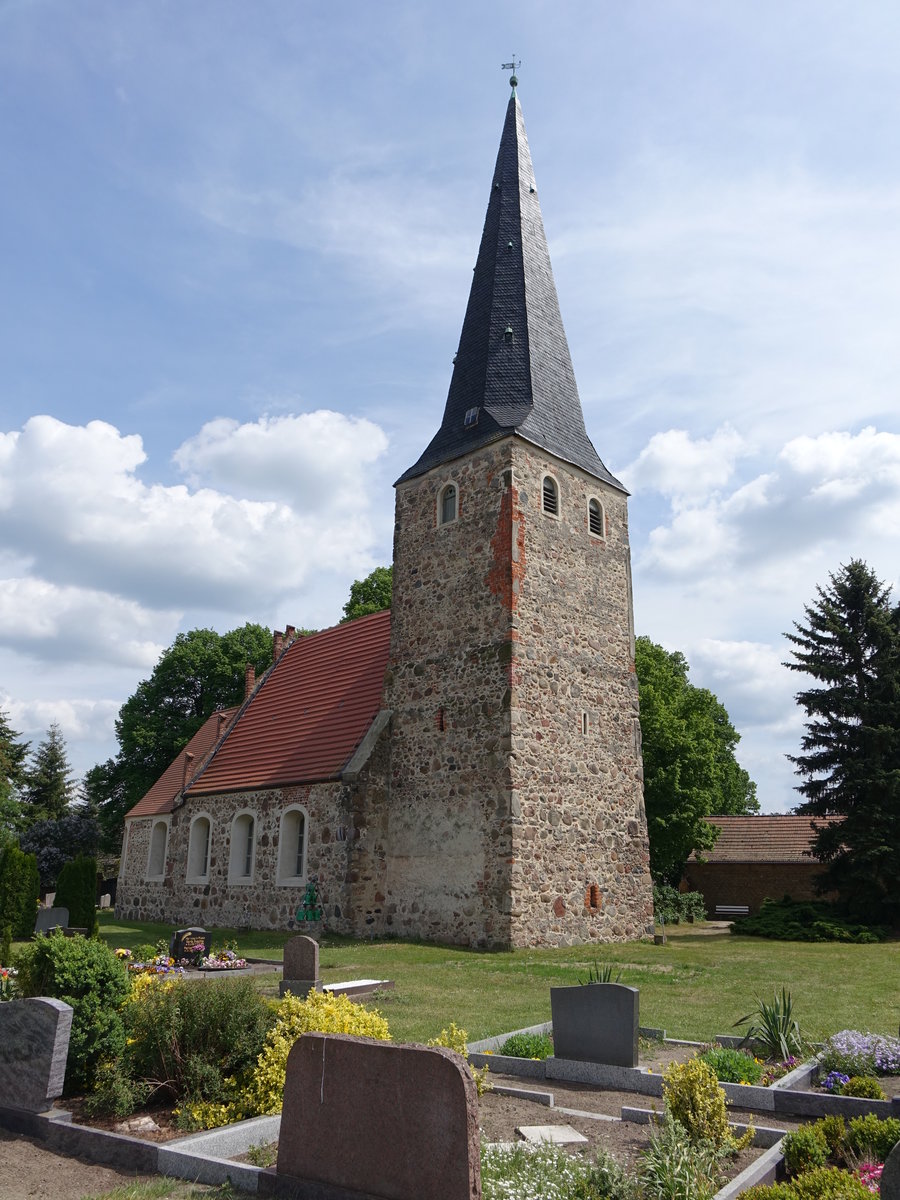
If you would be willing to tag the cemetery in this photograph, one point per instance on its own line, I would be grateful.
(336, 1107)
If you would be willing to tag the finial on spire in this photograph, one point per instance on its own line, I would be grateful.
(512, 66)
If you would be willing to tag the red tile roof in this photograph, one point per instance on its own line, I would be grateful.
(161, 797)
(771, 838)
(309, 714)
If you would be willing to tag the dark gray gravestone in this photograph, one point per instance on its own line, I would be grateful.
(300, 975)
(890, 1176)
(51, 918)
(596, 1022)
(190, 945)
(34, 1045)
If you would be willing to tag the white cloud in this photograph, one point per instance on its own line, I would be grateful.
(75, 507)
(80, 720)
(311, 461)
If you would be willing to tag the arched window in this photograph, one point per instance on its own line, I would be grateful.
(596, 518)
(550, 496)
(156, 860)
(292, 847)
(198, 850)
(243, 844)
(448, 504)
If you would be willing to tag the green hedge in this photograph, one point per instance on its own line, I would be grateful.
(20, 890)
(76, 890)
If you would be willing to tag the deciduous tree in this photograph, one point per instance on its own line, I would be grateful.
(849, 644)
(369, 595)
(690, 769)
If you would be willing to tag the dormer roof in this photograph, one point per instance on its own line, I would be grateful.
(513, 373)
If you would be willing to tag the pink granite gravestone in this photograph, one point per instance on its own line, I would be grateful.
(386, 1122)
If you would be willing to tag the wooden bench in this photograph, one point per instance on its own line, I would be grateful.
(732, 910)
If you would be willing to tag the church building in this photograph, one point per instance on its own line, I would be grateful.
(465, 767)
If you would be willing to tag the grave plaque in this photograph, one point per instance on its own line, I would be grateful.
(189, 945)
(51, 918)
(596, 1022)
(105, 900)
(300, 975)
(34, 1045)
(374, 1119)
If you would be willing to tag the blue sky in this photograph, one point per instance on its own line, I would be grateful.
(236, 242)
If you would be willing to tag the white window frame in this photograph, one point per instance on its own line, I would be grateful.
(554, 516)
(156, 860)
(440, 504)
(194, 876)
(243, 846)
(600, 537)
(289, 850)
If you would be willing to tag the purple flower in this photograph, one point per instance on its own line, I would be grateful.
(834, 1081)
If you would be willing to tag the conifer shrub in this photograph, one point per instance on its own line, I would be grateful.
(76, 890)
(85, 973)
(20, 890)
(806, 921)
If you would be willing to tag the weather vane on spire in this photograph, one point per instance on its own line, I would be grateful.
(512, 66)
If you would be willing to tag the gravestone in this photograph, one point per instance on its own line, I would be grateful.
(105, 900)
(596, 1022)
(51, 918)
(189, 944)
(890, 1176)
(300, 975)
(379, 1120)
(34, 1045)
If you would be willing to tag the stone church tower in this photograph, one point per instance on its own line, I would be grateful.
(516, 810)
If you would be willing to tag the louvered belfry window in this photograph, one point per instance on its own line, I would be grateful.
(595, 518)
(551, 496)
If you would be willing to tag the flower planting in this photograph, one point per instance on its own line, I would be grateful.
(853, 1053)
(528, 1045)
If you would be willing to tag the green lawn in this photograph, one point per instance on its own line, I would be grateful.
(695, 986)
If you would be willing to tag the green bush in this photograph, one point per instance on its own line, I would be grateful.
(20, 890)
(199, 1041)
(528, 1045)
(86, 974)
(865, 1086)
(804, 1149)
(834, 1130)
(869, 1137)
(694, 1099)
(672, 907)
(76, 890)
(732, 1066)
(806, 921)
(822, 1183)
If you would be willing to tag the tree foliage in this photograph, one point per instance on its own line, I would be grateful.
(49, 787)
(200, 672)
(849, 644)
(369, 595)
(690, 769)
(54, 843)
(13, 755)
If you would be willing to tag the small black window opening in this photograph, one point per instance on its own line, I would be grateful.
(550, 493)
(595, 518)
(584, 724)
(448, 504)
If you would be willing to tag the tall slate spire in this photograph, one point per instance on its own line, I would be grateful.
(512, 373)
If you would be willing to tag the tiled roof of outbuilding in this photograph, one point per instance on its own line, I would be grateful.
(769, 838)
(523, 383)
(161, 797)
(310, 713)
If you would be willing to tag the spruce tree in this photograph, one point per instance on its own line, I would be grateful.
(850, 752)
(12, 776)
(49, 787)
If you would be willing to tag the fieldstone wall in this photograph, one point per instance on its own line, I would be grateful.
(582, 865)
(516, 811)
(262, 901)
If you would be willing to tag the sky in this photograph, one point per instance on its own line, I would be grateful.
(236, 242)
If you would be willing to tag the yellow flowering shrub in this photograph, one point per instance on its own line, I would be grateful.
(320, 1012)
(457, 1039)
(695, 1100)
